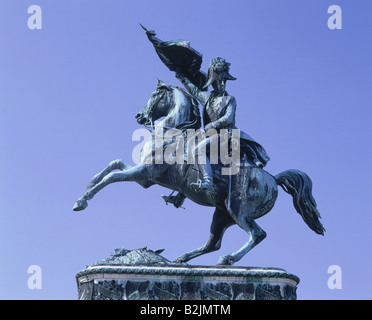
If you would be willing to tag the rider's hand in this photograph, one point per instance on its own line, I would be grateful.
(208, 126)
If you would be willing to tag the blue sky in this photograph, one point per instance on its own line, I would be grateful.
(69, 94)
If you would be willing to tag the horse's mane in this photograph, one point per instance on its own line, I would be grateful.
(195, 121)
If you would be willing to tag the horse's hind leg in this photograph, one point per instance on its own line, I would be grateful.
(244, 219)
(221, 221)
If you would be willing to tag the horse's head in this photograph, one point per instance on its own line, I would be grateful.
(158, 105)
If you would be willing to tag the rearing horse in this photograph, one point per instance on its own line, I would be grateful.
(253, 190)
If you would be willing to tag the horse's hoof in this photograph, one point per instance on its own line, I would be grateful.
(226, 260)
(80, 205)
(179, 260)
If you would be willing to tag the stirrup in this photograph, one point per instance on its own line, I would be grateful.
(197, 184)
(205, 184)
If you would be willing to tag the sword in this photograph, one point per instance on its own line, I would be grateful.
(229, 191)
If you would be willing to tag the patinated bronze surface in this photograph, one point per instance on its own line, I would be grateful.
(143, 274)
(238, 198)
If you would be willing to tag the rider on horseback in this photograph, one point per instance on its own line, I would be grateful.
(218, 113)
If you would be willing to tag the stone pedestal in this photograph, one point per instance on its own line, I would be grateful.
(145, 275)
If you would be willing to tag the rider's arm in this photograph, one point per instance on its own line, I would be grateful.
(228, 119)
(192, 89)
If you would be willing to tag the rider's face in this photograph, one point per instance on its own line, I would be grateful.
(219, 85)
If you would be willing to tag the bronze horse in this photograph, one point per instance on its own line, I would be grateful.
(250, 194)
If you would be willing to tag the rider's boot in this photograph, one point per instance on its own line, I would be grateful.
(206, 183)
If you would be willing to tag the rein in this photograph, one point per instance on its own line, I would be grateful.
(150, 125)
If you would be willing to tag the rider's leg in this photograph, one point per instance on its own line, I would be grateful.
(203, 163)
(206, 181)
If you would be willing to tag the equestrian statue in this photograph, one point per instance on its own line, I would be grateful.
(240, 197)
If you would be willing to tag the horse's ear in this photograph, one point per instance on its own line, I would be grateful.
(162, 85)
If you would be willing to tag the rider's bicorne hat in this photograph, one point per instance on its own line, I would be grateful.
(218, 70)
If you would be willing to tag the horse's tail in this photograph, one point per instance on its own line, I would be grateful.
(299, 186)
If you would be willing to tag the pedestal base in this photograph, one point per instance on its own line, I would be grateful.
(145, 275)
(159, 281)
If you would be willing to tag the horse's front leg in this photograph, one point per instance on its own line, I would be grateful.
(139, 172)
(113, 165)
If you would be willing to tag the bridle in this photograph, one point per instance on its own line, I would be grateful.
(149, 123)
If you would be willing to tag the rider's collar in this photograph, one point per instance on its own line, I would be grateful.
(219, 94)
